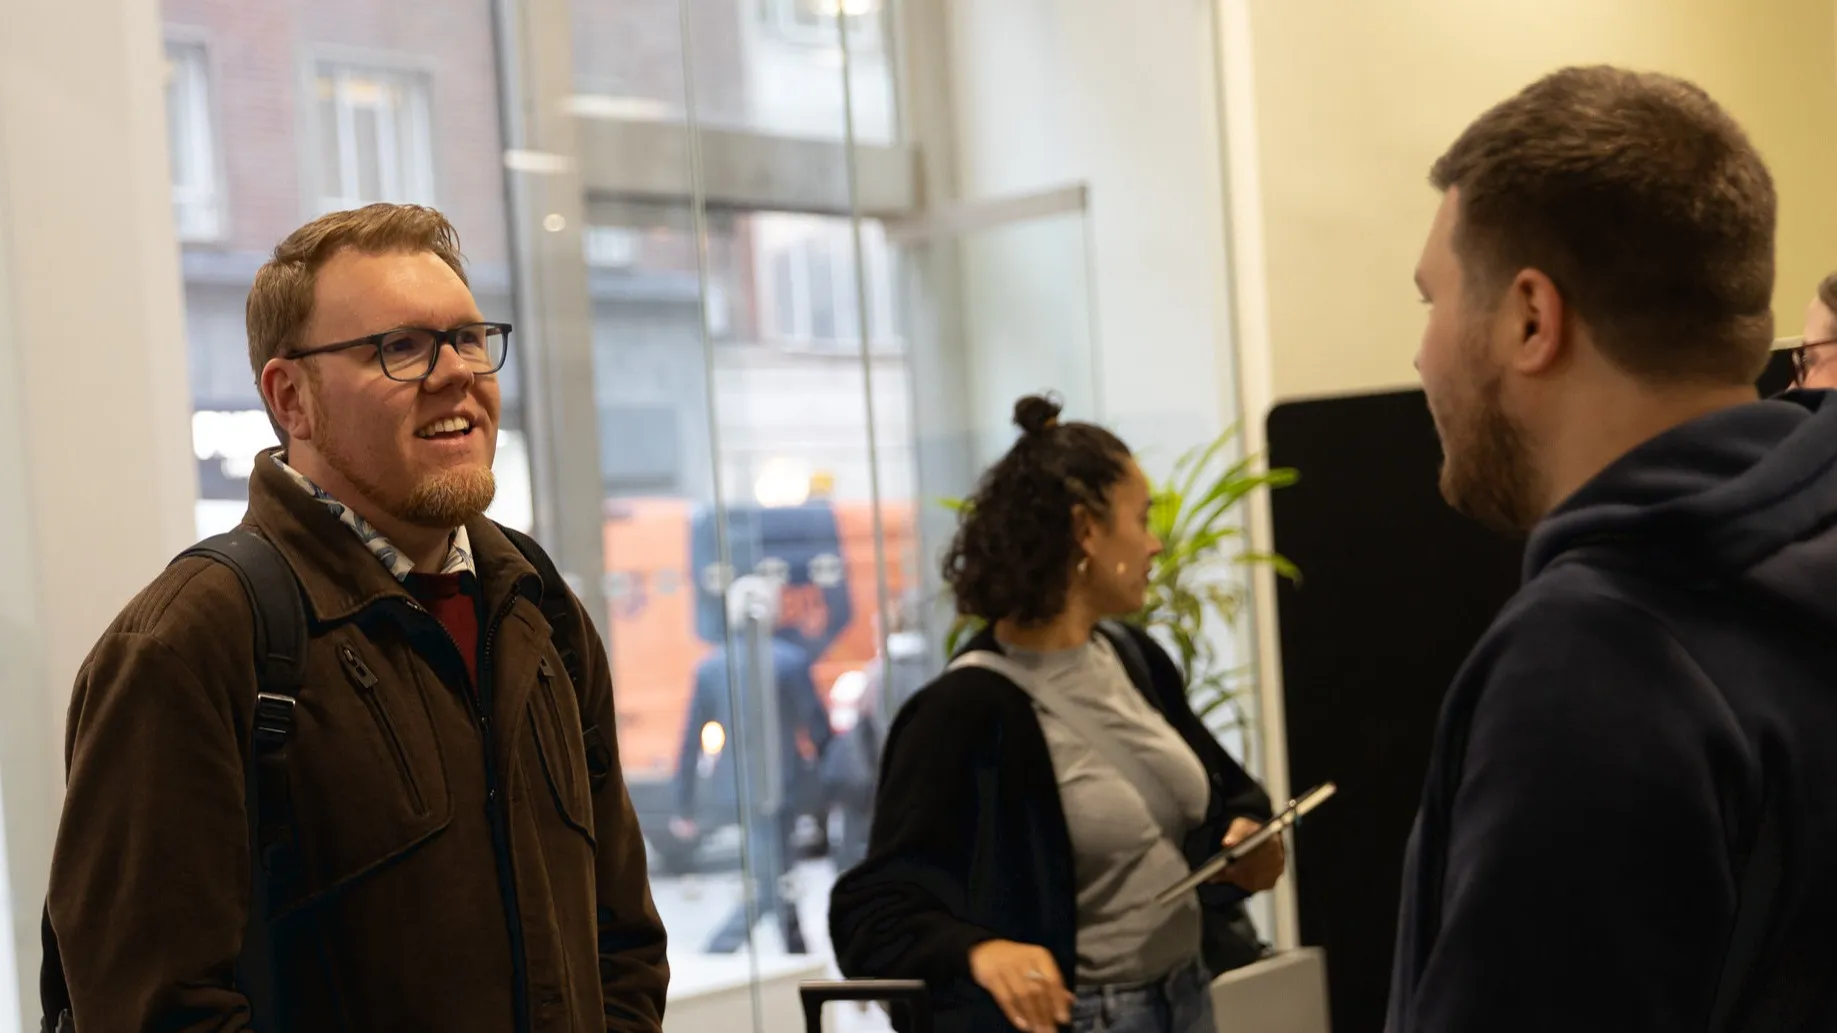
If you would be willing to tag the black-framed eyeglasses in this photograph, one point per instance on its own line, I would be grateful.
(409, 353)
(1803, 361)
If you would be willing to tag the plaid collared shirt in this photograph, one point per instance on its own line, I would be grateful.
(459, 547)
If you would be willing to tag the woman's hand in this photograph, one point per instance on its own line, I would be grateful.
(1025, 982)
(1261, 869)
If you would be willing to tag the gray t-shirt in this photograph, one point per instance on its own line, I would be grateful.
(1121, 856)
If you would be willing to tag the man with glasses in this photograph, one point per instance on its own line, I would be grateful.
(1814, 355)
(459, 850)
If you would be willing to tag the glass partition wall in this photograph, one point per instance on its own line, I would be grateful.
(746, 386)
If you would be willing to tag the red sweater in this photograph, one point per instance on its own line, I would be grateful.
(453, 599)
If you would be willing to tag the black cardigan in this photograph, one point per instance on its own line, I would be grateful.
(969, 841)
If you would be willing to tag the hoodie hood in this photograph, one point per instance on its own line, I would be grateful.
(1748, 493)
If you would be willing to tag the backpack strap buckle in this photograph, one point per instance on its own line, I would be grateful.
(273, 720)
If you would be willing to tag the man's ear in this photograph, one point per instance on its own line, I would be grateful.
(1537, 323)
(286, 387)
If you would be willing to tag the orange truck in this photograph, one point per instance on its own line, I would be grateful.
(653, 597)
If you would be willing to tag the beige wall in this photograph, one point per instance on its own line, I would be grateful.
(1354, 99)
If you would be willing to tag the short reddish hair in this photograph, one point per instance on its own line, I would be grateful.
(281, 300)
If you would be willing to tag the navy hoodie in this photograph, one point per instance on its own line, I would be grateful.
(1602, 761)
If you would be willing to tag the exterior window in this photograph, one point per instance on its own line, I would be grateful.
(808, 271)
(197, 200)
(814, 21)
(376, 143)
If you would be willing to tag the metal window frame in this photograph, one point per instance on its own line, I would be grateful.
(546, 202)
(641, 160)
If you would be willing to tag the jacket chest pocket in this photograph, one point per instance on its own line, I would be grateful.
(366, 682)
(561, 747)
(367, 766)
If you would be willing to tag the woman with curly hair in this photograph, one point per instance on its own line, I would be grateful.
(1036, 798)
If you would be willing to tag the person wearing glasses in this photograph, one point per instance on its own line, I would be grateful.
(459, 850)
(1814, 355)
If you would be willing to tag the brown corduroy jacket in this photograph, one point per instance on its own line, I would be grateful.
(457, 870)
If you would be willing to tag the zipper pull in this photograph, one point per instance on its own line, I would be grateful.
(359, 670)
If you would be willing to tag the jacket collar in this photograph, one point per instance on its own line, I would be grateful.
(339, 574)
(459, 545)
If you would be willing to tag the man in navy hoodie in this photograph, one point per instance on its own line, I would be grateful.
(1630, 816)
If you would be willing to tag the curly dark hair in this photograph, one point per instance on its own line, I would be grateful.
(1015, 547)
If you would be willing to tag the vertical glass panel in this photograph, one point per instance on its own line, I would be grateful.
(711, 772)
(300, 133)
(628, 57)
(769, 66)
(1019, 300)
(990, 314)
(746, 559)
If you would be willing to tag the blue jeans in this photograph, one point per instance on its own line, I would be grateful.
(1181, 1003)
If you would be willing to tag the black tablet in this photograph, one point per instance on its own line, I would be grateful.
(1296, 808)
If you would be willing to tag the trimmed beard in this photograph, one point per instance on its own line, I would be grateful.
(1487, 473)
(442, 501)
(449, 499)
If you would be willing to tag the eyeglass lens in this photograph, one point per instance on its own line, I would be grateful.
(410, 354)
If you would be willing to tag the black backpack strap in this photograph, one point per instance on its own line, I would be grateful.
(558, 609)
(280, 659)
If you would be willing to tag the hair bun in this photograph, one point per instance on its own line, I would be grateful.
(1036, 413)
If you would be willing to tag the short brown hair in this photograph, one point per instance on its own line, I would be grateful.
(1642, 200)
(281, 300)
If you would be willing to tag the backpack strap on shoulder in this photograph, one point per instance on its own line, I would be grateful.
(280, 660)
(557, 599)
(558, 609)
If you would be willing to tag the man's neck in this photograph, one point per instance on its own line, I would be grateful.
(1597, 431)
(425, 547)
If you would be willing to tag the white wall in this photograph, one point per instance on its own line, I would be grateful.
(96, 486)
(1122, 98)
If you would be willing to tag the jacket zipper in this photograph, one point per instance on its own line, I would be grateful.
(495, 811)
(366, 683)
